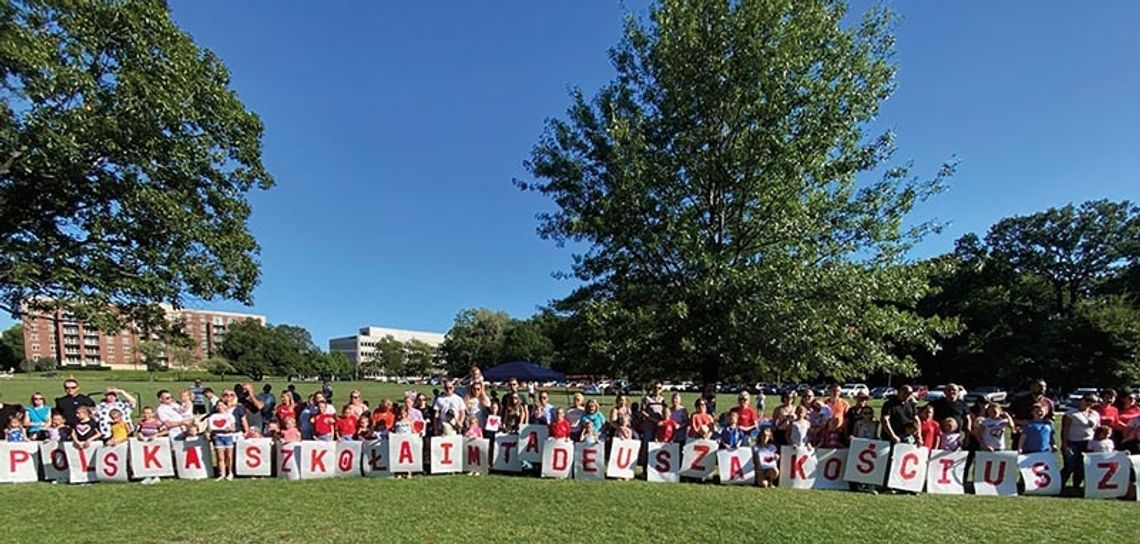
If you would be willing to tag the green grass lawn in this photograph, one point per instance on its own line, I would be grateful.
(522, 509)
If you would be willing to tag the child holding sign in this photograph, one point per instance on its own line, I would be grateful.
(950, 438)
(150, 427)
(560, 427)
(767, 459)
(991, 429)
(799, 432)
(120, 430)
(732, 436)
(1037, 435)
(222, 425)
(86, 432)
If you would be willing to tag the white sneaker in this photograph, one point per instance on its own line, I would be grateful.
(229, 477)
(219, 478)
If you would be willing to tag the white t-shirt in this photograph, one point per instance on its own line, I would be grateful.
(171, 414)
(950, 441)
(1081, 425)
(766, 457)
(993, 432)
(798, 436)
(451, 402)
(1104, 446)
(476, 410)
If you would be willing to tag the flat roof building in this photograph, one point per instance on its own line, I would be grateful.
(362, 346)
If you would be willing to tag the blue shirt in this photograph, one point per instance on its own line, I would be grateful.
(1038, 436)
(595, 418)
(38, 417)
(732, 437)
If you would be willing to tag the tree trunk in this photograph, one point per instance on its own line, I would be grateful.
(710, 370)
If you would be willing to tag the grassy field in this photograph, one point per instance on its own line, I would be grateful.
(520, 509)
(19, 389)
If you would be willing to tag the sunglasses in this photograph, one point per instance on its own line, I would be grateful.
(70, 387)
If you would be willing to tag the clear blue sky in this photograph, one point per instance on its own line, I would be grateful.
(394, 130)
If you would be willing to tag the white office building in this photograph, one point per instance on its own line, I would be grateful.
(362, 346)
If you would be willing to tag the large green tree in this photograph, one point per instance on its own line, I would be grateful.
(125, 160)
(725, 188)
(12, 347)
(1046, 294)
(258, 350)
(475, 339)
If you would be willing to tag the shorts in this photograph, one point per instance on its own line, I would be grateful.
(324, 437)
(226, 441)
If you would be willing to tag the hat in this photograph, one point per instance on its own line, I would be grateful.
(110, 391)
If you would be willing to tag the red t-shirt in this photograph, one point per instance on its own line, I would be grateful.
(560, 429)
(324, 423)
(1109, 416)
(346, 426)
(746, 417)
(1125, 416)
(284, 411)
(930, 430)
(388, 418)
(665, 429)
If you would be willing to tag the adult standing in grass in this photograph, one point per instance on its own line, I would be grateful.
(476, 402)
(855, 413)
(838, 406)
(172, 414)
(199, 392)
(513, 388)
(268, 403)
(356, 403)
(449, 401)
(783, 416)
(1077, 429)
(898, 412)
(1022, 407)
(950, 406)
(37, 415)
(514, 414)
(653, 409)
(72, 399)
(114, 399)
(285, 409)
(746, 418)
(248, 413)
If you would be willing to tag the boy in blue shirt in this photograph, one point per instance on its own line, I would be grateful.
(732, 437)
(1037, 435)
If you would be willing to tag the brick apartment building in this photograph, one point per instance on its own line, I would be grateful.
(61, 336)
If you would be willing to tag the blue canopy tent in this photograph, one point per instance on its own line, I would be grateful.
(522, 371)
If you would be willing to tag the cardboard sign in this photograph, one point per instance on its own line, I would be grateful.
(867, 461)
(506, 458)
(829, 468)
(1040, 473)
(446, 454)
(316, 459)
(908, 468)
(946, 472)
(476, 455)
(375, 459)
(406, 453)
(589, 461)
(557, 458)
(531, 440)
(1106, 475)
(1135, 460)
(152, 458)
(288, 461)
(192, 460)
(19, 462)
(797, 467)
(698, 458)
(111, 463)
(54, 460)
(253, 457)
(493, 423)
(664, 462)
(735, 466)
(348, 458)
(995, 473)
(80, 463)
(769, 460)
(623, 458)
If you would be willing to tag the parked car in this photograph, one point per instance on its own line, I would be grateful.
(939, 392)
(1077, 394)
(852, 389)
(920, 391)
(883, 392)
(991, 393)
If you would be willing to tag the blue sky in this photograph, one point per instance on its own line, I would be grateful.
(394, 130)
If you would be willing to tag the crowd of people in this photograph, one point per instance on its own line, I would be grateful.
(1099, 423)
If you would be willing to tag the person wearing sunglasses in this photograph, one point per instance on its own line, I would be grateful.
(37, 415)
(72, 399)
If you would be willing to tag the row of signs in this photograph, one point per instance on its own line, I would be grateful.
(873, 462)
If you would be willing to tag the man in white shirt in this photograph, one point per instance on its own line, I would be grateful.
(171, 414)
(449, 401)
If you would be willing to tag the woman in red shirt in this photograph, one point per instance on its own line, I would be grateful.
(701, 422)
(560, 427)
(286, 409)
